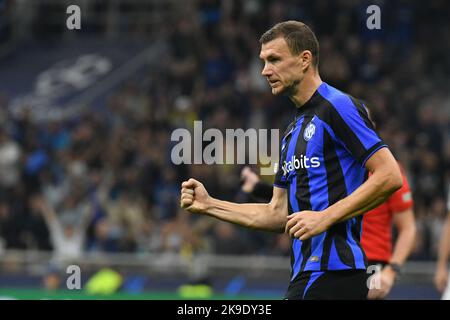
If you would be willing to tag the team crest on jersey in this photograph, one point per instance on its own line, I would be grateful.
(309, 131)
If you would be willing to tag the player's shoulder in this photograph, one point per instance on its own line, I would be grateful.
(337, 101)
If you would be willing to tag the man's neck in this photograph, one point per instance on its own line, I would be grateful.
(306, 89)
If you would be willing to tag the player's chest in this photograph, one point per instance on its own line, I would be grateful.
(303, 147)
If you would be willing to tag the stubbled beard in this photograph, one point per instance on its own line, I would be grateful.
(291, 89)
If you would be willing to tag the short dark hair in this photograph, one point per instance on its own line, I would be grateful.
(298, 36)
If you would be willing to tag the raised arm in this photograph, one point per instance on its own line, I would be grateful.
(46, 210)
(268, 217)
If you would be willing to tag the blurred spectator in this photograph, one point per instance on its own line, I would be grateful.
(10, 158)
(67, 229)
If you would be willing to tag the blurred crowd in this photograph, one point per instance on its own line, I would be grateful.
(104, 181)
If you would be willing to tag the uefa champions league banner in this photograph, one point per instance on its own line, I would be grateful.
(52, 80)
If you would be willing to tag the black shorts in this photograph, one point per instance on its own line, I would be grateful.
(329, 285)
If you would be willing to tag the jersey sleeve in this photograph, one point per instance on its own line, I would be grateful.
(401, 200)
(351, 125)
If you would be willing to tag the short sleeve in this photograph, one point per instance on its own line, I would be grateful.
(351, 125)
(401, 200)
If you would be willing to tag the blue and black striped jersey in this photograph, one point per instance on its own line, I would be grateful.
(322, 160)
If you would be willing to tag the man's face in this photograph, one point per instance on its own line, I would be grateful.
(282, 69)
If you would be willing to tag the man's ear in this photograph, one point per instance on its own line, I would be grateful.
(306, 59)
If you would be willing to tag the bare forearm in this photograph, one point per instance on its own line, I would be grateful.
(269, 217)
(250, 215)
(444, 244)
(403, 246)
(368, 196)
(405, 224)
(373, 204)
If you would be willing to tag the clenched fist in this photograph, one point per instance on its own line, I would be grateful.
(194, 197)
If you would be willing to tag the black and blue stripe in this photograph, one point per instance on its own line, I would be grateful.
(332, 129)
